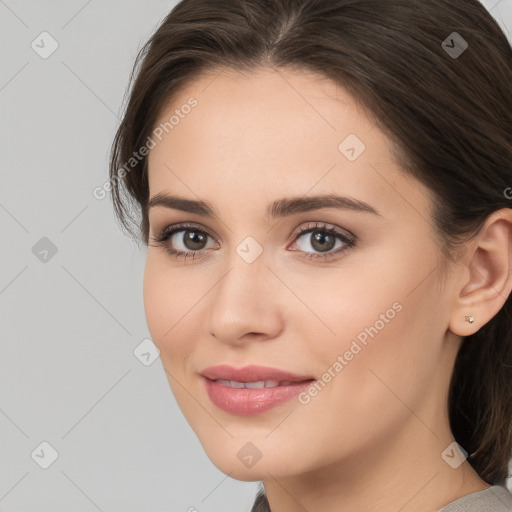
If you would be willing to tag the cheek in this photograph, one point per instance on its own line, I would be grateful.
(377, 330)
(388, 359)
(169, 299)
(344, 303)
(158, 299)
(366, 383)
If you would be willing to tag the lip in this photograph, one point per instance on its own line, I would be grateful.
(248, 402)
(252, 373)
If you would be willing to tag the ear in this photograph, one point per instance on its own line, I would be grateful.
(487, 274)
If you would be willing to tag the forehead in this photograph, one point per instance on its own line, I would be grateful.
(269, 109)
(273, 132)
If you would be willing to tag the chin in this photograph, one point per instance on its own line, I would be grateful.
(234, 459)
(233, 467)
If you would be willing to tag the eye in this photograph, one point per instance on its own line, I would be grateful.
(324, 240)
(184, 240)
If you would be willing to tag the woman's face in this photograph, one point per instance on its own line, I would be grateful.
(353, 302)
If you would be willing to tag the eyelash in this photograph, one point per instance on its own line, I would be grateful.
(348, 239)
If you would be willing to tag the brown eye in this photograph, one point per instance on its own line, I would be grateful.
(321, 239)
(185, 240)
(322, 242)
(193, 240)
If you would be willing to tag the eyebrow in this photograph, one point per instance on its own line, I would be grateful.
(278, 209)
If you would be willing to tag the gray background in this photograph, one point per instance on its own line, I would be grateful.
(70, 324)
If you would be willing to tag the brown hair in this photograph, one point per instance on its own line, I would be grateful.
(448, 115)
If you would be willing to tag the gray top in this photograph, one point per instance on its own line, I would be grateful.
(494, 499)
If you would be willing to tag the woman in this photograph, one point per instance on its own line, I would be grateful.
(324, 187)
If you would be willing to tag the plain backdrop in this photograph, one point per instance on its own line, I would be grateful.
(74, 396)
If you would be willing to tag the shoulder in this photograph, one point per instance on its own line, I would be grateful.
(494, 499)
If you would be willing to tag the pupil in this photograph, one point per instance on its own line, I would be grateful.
(323, 242)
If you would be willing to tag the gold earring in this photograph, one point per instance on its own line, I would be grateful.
(470, 319)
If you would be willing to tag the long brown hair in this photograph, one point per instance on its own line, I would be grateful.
(435, 74)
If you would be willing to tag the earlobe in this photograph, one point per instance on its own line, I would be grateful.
(488, 275)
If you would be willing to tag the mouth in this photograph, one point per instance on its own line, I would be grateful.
(258, 384)
(270, 377)
(252, 389)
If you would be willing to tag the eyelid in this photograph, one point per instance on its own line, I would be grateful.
(324, 226)
(180, 226)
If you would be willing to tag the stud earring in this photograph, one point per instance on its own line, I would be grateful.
(470, 319)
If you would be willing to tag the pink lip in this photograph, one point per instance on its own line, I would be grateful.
(246, 402)
(251, 373)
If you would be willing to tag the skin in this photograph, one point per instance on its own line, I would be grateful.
(373, 437)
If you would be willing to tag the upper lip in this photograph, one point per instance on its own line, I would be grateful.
(252, 373)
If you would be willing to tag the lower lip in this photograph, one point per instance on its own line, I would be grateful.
(247, 402)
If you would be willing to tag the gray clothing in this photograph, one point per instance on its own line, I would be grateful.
(494, 499)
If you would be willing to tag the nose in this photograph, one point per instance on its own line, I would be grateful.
(245, 303)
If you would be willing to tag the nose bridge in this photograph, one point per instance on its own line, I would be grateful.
(241, 301)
